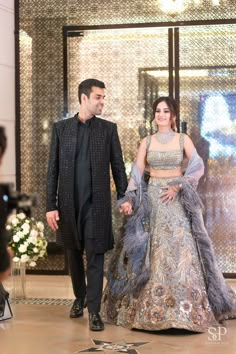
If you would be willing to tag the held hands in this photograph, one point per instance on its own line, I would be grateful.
(170, 193)
(52, 218)
(126, 208)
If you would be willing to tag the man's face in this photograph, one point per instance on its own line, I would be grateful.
(95, 102)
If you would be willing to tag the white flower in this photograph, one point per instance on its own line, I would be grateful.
(21, 216)
(42, 253)
(26, 243)
(34, 233)
(24, 258)
(28, 240)
(8, 227)
(22, 248)
(33, 240)
(20, 234)
(25, 228)
(16, 238)
(15, 221)
(40, 226)
(39, 243)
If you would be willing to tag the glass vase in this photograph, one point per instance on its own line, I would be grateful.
(18, 277)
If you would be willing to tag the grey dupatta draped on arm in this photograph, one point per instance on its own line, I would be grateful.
(130, 266)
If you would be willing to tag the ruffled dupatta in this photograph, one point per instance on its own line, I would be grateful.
(130, 265)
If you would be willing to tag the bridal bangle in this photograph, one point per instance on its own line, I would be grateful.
(177, 188)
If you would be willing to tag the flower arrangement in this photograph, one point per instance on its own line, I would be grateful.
(28, 242)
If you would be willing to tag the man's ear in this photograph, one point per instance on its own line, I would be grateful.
(83, 98)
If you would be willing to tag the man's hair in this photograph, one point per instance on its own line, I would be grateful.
(3, 141)
(86, 87)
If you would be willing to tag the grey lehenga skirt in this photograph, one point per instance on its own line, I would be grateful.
(175, 295)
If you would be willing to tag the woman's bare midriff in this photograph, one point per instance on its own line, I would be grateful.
(166, 173)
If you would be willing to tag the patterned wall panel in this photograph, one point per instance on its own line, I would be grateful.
(119, 57)
(41, 90)
(116, 57)
(208, 101)
(97, 12)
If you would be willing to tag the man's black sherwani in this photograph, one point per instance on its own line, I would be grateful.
(105, 151)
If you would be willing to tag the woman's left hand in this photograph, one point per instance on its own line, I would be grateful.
(169, 194)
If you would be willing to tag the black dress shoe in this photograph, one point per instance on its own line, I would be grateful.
(95, 322)
(77, 309)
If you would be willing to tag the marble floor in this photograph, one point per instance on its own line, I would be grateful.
(41, 325)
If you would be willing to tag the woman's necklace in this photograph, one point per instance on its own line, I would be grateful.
(165, 138)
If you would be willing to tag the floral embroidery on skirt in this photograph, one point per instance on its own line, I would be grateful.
(175, 295)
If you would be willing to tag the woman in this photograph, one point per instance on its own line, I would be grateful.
(163, 273)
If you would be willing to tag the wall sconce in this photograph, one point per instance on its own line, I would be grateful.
(175, 7)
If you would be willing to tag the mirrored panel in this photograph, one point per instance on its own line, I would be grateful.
(208, 105)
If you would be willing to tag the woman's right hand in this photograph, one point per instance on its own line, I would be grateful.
(126, 208)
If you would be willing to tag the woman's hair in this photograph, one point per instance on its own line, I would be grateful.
(171, 103)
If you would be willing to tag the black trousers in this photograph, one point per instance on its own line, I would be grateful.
(89, 283)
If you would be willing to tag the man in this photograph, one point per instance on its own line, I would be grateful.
(79, 195)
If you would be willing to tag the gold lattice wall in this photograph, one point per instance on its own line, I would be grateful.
(129, 62)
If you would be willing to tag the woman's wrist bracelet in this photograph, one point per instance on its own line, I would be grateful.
(176, 188)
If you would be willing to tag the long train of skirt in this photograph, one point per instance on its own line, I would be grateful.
(175, 295)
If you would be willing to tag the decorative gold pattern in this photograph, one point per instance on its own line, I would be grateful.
(112, 12)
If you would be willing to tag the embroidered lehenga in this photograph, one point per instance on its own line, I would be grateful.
(174, 288)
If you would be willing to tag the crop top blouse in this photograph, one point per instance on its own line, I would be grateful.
(165, 160)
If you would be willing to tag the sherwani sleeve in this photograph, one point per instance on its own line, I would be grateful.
(117, 164)
(53, 171)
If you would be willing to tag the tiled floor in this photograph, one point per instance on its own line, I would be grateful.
(47, 329)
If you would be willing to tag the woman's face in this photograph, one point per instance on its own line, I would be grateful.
(163, 115)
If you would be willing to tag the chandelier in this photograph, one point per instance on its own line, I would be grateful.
(175, 7)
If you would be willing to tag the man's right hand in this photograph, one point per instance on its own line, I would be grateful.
(52, 218)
